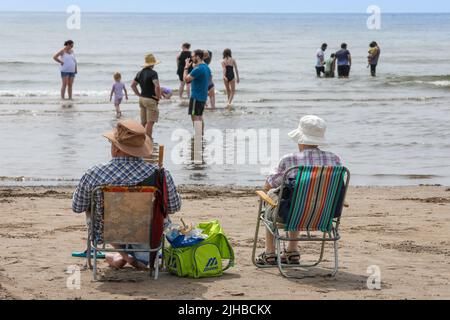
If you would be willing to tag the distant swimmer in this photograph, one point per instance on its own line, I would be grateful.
(344, 61)
(181, 62)
(374, 56)
(320, 64)
(230, 79)
(118, 90)
(69, 68)
(211, 86)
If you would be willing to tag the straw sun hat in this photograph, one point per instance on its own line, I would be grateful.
(310, 131)
(150, 61)
(129, 136)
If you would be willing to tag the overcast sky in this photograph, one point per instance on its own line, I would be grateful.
(331, 6)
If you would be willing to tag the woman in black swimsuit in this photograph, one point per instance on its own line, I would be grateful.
(229, 67)
(181, 62)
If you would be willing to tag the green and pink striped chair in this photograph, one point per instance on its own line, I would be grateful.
(316, 202)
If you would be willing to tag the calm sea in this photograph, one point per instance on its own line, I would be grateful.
(392, 130)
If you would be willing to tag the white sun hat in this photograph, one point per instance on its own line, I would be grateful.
(310, 131)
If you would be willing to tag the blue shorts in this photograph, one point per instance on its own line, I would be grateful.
(142, 257)
(68, 74)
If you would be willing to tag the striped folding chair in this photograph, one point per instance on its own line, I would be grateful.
(316, 204)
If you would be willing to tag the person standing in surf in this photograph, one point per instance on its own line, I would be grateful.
(181, 62)
(320, 64)
(150, 94)
(230, 75)
(330, 66)
(199, 78)
(374, 56)
(69, 68)
(211, 86)
(118, 90)
(344, 61)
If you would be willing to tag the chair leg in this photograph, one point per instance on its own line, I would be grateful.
(95, 262)
(88, 253)
(336, 259)
(163, 263)
(157, 266)
(280, 265)
(255, 241)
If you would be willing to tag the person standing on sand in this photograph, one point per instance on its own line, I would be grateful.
(344, 61)
(69, 68)
(320, 55)
(150, 94)
(374, 56)
(199, 79)
(211, 86)
(308, 136)
(129, 145)
(229, 67)
(181, 62)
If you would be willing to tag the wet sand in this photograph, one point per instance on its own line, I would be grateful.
(403, 231)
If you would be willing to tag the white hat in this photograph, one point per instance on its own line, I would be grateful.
(311, 131)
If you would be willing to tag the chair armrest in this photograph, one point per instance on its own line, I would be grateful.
(266, 198)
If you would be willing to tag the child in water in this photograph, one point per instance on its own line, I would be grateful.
(330, 66)
(166, 93)
(118, 89)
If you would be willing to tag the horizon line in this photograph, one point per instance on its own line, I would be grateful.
(231, 12)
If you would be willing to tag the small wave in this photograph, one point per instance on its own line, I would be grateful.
(432, 81)
(443, 83)
(36, 179)
(361, 100)
(408, 176)
(48, 93)
(16, 63)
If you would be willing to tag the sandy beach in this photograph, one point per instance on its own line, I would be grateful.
(404, 231)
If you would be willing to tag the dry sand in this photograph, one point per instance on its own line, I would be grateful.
(404, 231)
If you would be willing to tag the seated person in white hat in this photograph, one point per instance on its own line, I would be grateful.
(129, 145)
(309, 136)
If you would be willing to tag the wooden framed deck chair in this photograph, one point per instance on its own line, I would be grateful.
(129, 219)
(312, 205)
(131, 216)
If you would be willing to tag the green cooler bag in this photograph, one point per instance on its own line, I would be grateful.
(204, 259)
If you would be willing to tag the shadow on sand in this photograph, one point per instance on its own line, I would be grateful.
(130, 282)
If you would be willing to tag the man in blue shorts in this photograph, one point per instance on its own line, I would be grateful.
(344, 61)
(199, 79)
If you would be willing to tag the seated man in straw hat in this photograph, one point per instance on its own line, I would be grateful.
(309, 136)
(150, 93)
(129, 145)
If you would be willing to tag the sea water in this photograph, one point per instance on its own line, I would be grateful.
(389, 130)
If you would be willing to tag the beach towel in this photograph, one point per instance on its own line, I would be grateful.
(158, 180)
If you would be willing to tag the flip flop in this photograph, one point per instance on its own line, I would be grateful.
(79, 254)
